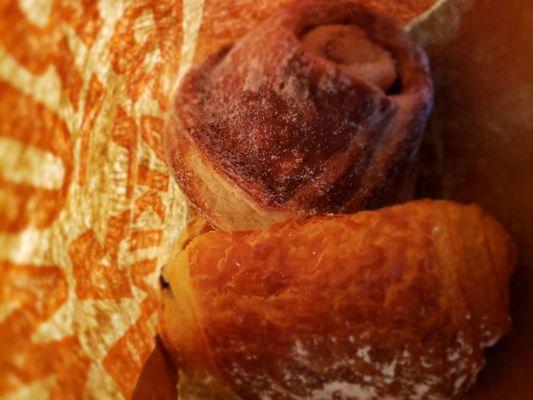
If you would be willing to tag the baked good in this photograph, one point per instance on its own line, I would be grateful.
(394, 303)
(320, 109)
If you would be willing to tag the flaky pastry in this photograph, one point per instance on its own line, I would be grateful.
(394, 303)
(320, 109)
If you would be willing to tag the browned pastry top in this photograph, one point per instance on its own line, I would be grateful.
(394, 303)
(318, 109)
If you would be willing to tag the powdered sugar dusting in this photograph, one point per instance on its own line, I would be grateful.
(363, 353)
(343, 390)
(491, 342)
(389, 370)
(299, 350)
(421, 391)
(459, 382)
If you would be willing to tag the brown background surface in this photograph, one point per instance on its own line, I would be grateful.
(483, 122)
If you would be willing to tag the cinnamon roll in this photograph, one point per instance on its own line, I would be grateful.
(319, 109)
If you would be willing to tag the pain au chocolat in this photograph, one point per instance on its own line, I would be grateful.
(397, 303)
(319, 109)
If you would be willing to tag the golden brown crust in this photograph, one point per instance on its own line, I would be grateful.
(397, 302)
(277, 130)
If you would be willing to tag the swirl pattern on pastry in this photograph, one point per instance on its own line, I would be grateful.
(320, 109)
